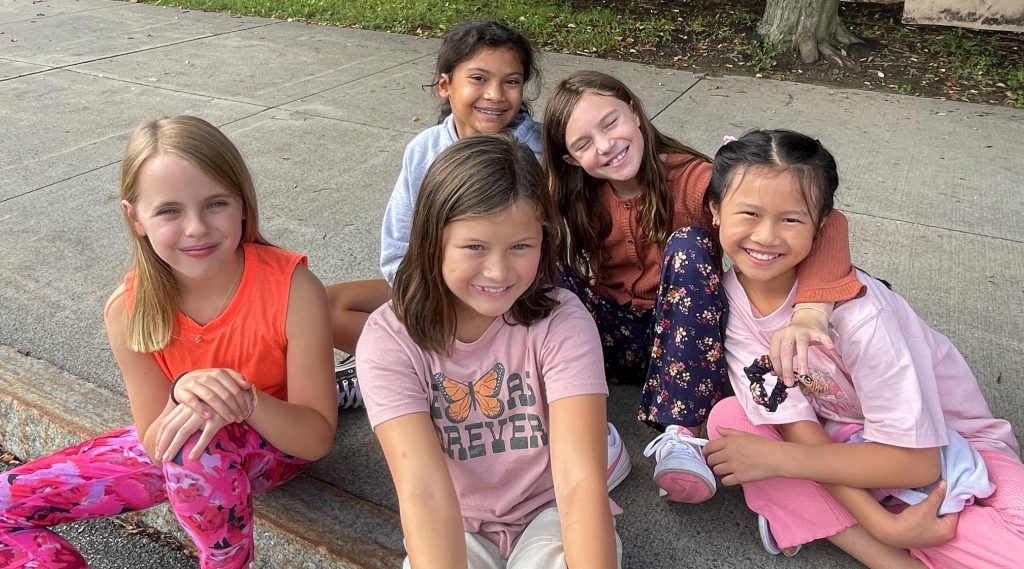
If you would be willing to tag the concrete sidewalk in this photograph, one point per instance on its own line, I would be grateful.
(322, 115)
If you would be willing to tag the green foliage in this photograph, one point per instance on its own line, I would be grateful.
(764, 54)
(551, 24)
(968, 55)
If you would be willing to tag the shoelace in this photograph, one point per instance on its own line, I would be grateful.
(348, 394)
(689, 444)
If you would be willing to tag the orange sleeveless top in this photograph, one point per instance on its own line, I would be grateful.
(249, 335)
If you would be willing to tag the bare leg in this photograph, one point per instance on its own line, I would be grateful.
(351, 304)
(862, 546)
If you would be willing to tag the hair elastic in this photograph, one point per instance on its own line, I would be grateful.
(755, 373)
(728, 138)
(175, 384)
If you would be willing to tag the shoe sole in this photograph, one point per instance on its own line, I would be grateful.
(768, 540)
(684, 486)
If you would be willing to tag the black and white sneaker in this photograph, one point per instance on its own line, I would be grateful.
(348, 385)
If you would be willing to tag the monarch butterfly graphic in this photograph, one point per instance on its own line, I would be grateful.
(463, 397)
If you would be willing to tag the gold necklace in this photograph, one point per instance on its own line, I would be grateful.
(223, 304)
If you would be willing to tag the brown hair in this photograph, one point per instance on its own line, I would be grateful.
(151, 318)
(476, 176)
(587, 220)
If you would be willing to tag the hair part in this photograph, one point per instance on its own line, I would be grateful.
(468, 38)
(588, 221)
(778, 151)
(476, 176)
(151, 318)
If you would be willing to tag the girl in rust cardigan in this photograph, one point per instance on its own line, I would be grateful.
(642, 254)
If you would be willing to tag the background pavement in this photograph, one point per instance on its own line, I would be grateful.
(322, 116)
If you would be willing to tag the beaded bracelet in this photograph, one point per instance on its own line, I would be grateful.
(755, 373)
(175, 384)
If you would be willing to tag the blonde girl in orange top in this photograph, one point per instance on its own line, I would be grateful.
(225, 346)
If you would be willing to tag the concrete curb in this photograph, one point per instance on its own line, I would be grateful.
(305, 524)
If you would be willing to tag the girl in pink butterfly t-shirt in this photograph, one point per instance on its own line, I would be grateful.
(484, 383)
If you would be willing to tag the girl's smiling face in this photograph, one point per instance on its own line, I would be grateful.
(192, 223)
(603, 137)
(488, 262)
(767, 230)
(485, 91)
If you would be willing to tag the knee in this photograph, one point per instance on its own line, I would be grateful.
(222, 452)
(691, 256)
(337, 298)
(727, 413)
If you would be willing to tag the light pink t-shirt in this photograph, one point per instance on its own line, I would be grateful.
(890, 372)
(489, 404)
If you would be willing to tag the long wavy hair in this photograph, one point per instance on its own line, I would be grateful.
(588, 222)
(477, 176)
(152, 314)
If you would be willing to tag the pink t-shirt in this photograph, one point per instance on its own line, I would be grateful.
(889, 372)
(489, 404)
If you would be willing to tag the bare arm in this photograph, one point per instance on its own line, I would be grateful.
(877, 466)
(862, 465)
(578, 464)
(304, 425)
(845, 469)
(431, 518)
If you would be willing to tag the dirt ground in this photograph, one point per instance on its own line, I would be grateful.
(718, 37)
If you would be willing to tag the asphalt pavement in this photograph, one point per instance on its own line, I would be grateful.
(322, 115)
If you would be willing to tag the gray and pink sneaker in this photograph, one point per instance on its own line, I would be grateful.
(680, 472)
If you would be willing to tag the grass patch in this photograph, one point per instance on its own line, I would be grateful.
(550, 24)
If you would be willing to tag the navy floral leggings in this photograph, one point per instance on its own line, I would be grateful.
(676, 347)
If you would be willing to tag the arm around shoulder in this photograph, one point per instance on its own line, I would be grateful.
(827, 274)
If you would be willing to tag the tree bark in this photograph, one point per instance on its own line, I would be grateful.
(811, 27)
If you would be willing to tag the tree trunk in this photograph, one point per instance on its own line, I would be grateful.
(812, 27)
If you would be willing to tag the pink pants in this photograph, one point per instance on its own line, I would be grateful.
(990, 532)
(111, 474)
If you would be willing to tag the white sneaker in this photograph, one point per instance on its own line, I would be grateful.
(618, 458)
(768, 540)
(681, 473)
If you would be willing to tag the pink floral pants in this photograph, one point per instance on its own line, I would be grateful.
(111, 474)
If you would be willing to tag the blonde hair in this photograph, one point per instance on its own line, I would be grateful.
(477, 176)
(587, 220)
(152, 315)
